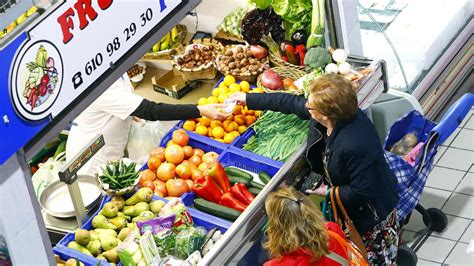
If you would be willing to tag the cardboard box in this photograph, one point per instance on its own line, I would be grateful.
(173, 85)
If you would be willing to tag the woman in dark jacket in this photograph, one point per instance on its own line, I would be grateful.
(343, 146)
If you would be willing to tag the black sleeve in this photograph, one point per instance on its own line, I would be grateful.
(279, 102)
(152, 111)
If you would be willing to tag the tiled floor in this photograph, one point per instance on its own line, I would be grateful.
(450, 187)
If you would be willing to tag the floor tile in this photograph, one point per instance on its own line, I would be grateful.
(457, 159)
(435, 249)
(467, 118)
(467, 185)
(451, 137)
(470, 123)
(468, 236)
(426, 263)
(416, 223)
(444, 178)
(460, 255)
(455, 229)
(464, 140)
(434, 198)
(460, 205)
(471, 169)
(439, 154)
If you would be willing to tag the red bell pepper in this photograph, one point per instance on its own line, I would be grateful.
(216, 171)
(240, 192)
(207, 189)
(290, 52)
(300, 50)
(229, 201)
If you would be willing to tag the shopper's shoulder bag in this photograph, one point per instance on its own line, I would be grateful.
(346, 223)
(356, 258)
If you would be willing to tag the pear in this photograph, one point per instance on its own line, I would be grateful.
(82, 237)
(142, 207)
(74, 245)
(131, 211)
(156, 47)
(112, 255)
(108, 242)
(94, 247)
(144, 194)
(119, 201)
(144, 216)
(110, 210)
(121, 214)
(100, 257)
(120, 222)
(124, 233)
(73, 262)
(100, 221)
(21, 18)
(94, 235)
(109, 232)
(155, 206)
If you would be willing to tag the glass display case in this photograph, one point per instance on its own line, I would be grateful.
(410, 35)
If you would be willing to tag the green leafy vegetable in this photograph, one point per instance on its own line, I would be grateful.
(316, 36)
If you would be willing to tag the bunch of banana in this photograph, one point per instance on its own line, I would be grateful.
(168, 41)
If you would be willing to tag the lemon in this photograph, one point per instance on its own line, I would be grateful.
(212, 99)
(258, 90)
(229, 80)
(221, 98)
(216, 92)
(244, 86)
(234, 87)
(202, 101)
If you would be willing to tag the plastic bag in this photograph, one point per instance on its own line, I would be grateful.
(47, 173)
(144, 136)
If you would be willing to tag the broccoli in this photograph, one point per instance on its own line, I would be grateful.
(317, 57)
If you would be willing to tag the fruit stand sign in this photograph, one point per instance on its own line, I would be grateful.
(49, 66)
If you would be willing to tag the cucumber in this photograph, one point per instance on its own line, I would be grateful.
(238, 179)
(254, 190)
(256, 185)
(264, 177)
(216, 209)
(237, 172)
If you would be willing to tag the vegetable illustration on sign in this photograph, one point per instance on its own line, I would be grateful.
(42, 79)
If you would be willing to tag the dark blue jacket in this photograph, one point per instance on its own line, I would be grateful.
(356, 162)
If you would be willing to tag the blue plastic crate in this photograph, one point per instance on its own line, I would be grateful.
(244, 138)
(199, 218)
(249, 161)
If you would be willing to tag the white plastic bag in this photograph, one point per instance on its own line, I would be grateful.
(144, 136)
(47, 173)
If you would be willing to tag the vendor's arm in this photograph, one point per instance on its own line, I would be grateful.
(279, 102)
(152, 111)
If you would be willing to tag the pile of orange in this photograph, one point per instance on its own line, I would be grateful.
(236, 124)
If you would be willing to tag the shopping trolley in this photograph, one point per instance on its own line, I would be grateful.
(412, 177)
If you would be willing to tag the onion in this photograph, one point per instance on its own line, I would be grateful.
(271, 80)
(339, 55)
(344, 68)
(258, 51)
(331, 69)
(50, 63)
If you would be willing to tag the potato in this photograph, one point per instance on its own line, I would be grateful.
(232, 65)
(244, 62)
(240, 49)
(248, 53)
(228, 53)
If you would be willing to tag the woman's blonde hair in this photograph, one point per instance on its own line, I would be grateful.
(334, 97)
(294, 221)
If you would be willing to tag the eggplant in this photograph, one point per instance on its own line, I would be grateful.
(299, 37)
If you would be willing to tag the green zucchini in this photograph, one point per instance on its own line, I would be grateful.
(255, 191)
(264, 177)
(237, 172)
(216, 209)
(238, 179)
(256, 185)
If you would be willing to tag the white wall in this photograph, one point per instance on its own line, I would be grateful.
(211, 13)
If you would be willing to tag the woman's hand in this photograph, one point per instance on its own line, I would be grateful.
(210, 111)
(321, 191)
(239, 97)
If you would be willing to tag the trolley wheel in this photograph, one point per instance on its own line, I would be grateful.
(439, 221)
(406, 256)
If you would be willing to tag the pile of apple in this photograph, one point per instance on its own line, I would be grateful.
(173, 169)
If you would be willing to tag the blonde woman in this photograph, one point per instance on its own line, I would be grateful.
(344, 147)
(297, 233)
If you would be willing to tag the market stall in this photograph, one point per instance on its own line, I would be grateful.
(81, 56)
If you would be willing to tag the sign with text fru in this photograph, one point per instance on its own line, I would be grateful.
(63, 54)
